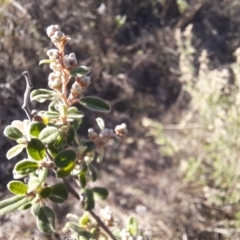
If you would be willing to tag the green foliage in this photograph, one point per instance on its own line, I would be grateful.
(79, 71)
(59, 193)
(17, 187)
(46, 220)
(95, 104)
(53, 146)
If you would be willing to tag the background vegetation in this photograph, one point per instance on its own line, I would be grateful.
(171, 71)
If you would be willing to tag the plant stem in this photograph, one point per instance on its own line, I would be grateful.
(93, 214)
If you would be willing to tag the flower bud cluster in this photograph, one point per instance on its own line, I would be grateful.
(55, 81)
(106, 134)
(70, 61)
(121, 130)
(56, 35)
(106, 216)
(79, 86)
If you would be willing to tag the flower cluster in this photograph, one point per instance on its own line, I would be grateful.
(102, 138)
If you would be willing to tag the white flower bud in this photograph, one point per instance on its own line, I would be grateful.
(92, 134)
(57, 36)
(121, 130)
(55, 67)
(54, 80)
(52, 29)
(76, 89)
(53, 53)
(72, 59)
(66, 62)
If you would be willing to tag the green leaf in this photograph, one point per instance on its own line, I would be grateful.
(65, 172)
(82, 179)
(95, 104)
(100, 154)
(45, 192)
(49, 135)
(42, 174)
(52, 107)
(25, 206)
(53, 150)
(36, 149)
(79, 71)
(25, 167)
(46, 220)
(84, 220)
(132, 226)
(13, 203)
(46, 61)
(41, 95)
(100, 123)
(75, 124)
(100, 192)
(84, 167)
(74, 227)
(17, 187)
(59, 141)
(65, 158)
(51, 115)
(33, 184)
(70, 135)
(35, 208)
(89, 199)
(92, 172)
(10, 201)
(89, 144)
(59, 193)
(12, 133)
(14, 151)
(75, 114)
(36, 128)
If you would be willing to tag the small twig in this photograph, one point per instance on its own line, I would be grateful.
(102, 225)
(93, 214)
(25, 105)
(71, 189)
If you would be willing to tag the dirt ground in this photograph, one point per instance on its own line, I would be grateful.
(135, 68)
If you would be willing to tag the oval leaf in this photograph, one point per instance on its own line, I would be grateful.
(92, 172)
(41, 95)
(59, 193)
(25, 167)
(46, 220)
(79, 230)
(14, 151)
(36, 149)
(79, 71)
(13, 203)
(45, 192)
(65, 158)
(35, 208)
(49, 135)
(46, 61)
(36, 128)
(95, 104)
(70, 135)
(17, 187)
(82, 179)
(65, 172)
(12, 133)
(132, 226)
(100, 192)
(25, 206)
(89, 199)
(33, 184)
(42, 174)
